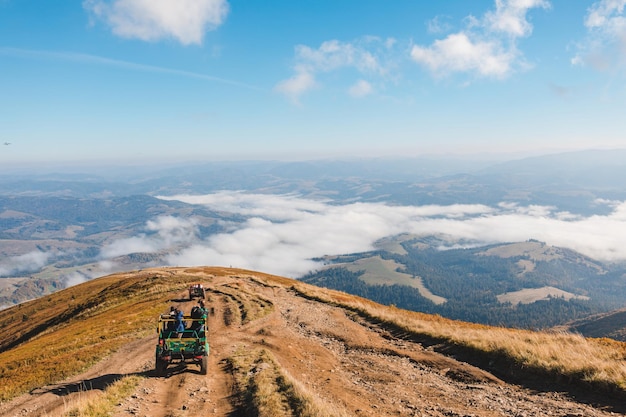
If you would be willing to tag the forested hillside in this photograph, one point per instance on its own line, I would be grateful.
(484, 285)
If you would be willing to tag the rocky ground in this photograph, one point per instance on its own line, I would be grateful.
(344, 361)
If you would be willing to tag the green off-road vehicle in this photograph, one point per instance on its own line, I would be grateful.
(188, 346)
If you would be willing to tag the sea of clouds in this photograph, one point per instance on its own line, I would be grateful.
(283, 234)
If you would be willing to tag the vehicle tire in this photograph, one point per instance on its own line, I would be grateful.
(204, 364)
(161, 367)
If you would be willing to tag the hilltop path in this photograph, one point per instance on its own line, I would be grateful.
(351, 365)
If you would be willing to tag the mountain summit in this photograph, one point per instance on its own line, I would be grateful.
(280, 347)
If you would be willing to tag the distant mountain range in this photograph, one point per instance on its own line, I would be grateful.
(571, 181)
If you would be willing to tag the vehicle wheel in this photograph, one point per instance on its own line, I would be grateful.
(204, 365)
(161, 367)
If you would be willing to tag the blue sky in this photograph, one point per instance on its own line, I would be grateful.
(152, 80)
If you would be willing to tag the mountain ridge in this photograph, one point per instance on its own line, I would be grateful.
(280, 347)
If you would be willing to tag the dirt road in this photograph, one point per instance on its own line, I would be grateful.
(354, 365)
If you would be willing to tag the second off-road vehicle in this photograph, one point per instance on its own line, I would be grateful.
(196, 290)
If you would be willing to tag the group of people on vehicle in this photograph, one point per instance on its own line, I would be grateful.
(179, 324)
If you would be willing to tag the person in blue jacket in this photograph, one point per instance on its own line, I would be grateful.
(180, 324)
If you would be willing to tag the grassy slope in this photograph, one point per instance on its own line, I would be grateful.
(590, 363)
(62, 334)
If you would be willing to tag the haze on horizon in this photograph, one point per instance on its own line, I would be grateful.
(130, 81)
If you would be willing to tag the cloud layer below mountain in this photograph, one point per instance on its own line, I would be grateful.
(25, 263)
(284, 233)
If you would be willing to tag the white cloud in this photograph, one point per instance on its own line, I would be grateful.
(29, 262)
(333, 54)
(606, 15)
(439, 24)
(168, 232)
(487, 47)
(360, 89)
(76, 278)
(152, 20)
(172, 230)
(604, 47)
(272, 206)
(458, 53)
(102, 268)
(297, 85)
(510, 16)
(284, 233)
(369, 55)
(129, 245)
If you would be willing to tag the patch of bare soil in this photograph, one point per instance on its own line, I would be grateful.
(343, 360)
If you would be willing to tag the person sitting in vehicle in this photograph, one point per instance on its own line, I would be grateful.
(179, 323)
(199, 312)
(170, 326)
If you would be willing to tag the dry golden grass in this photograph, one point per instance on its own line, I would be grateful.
(47, 340)
(267, 390)
(57, 336)
(103, 405)
(596, 362)
(309, 404)
(255, 384)
(251, 306)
